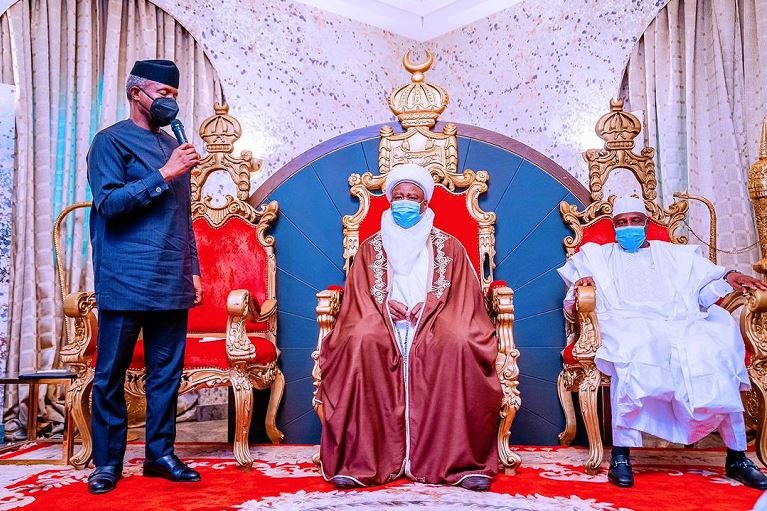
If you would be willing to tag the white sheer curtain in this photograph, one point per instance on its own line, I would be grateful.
(697, 74)
(69, 61)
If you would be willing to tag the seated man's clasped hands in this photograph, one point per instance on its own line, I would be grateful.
(409, 385)
(675, 358)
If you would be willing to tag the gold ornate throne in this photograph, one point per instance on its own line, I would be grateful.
(594, 224)
(418, 105)
(232, 335)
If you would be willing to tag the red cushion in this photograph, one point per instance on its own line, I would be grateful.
(602, 232)
(450, 215)
(567, 355)
(231, 257)
(496, 284)
(208, 354)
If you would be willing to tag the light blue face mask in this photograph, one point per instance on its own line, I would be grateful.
(631, 237)
(406, 213)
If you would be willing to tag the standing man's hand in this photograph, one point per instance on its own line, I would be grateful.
(197, 281)
(183, 158)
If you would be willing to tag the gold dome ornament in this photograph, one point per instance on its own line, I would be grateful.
(618, 128)
(418, 103)
(757, 190)
(220, 131)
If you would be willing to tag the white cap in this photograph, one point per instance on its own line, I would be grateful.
(409, 173)
(628, 205)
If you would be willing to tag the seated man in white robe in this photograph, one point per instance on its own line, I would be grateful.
(675, 359)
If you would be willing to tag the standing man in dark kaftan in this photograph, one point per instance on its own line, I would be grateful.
(409, 385)
(146, 271)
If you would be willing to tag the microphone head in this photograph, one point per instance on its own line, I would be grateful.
(178, 130)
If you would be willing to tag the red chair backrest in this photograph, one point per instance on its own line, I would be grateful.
(231, 257)
(602, 232)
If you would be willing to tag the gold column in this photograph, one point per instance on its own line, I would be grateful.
(757, 190)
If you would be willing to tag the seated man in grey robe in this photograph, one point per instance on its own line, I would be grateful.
(675, 359)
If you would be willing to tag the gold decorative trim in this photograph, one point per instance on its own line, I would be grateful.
(219, 132)
(440, 263)
(378, 267)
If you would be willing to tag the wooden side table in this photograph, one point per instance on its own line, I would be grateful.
(34, 380)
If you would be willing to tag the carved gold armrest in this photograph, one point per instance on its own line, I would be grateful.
(501, 305)
(79, 308)
(267, 309)
(328, 307)
(587, 339)
(240, 309)
(753, 325)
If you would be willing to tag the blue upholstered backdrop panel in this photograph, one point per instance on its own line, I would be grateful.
(314, 195)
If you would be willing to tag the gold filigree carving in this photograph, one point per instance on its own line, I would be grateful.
(219, 132)
(578, 221)
(757, 190)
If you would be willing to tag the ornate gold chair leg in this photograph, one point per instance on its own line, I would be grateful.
(759, 388)
(508, 375)
(243, 406)
(566, 400)
(509, 458)
(587, 396)
(78, 402)
(278, 387)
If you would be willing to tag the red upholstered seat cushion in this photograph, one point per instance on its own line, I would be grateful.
(602, 232)
(208, 354)
(450, 215)
(231, 257)
(567, 355)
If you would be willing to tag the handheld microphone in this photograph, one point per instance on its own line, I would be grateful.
(178, 130)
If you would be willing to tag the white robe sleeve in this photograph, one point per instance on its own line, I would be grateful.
(709, 279)
(712, 292)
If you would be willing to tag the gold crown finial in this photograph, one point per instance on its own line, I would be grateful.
(220, 131)
(763, 141)
(618, 128)
(418, 103)
(757, 175)
(417, 70)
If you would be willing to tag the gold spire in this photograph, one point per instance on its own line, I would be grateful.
(618, 128)
(418, 103)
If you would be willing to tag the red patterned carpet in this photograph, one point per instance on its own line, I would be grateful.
(283, 478)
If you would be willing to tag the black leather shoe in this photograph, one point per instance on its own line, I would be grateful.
(344, 482)
(742, 469)
(620, 473)
(476, 483)
(172, 469)
(104, 479)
